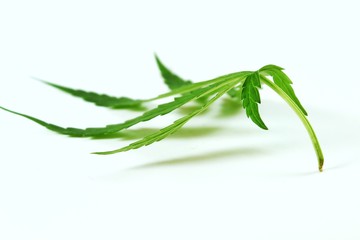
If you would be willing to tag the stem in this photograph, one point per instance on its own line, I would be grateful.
(302, 117)
(194, 86)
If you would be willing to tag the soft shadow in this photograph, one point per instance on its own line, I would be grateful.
(186, 132)
(298, 174)
(229, 108)
(206, 157)
(339, 166)
(185, 110)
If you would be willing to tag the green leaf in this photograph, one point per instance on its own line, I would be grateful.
(194, 86)
(282, 81)
(100, 99)
(251, 98)
(172, 80)
(241, 85)
(158, 111)
(302, 117)
(165, 132)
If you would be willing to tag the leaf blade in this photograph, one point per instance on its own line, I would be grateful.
(165, 132)
(160, 110)
(102, 100)
(172, 80)
(251, 98)
(284, 82)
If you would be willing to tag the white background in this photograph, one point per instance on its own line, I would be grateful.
(221, 177)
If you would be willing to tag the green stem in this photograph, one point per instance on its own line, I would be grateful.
(194, 86)
(302, 117)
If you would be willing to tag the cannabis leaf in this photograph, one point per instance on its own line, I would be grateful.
(283, 81)
(189, 95)
(242, 86)
(163, 133)
(100, 99)
(172, 80)
(251, 98)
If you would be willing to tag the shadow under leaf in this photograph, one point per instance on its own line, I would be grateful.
(205, 157)
(186, 132)
(185, 110)
(230, 108)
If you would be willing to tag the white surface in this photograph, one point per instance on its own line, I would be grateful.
(230, 180)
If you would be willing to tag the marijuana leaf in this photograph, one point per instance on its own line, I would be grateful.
(163, 133)
(190, 94)
(172, 80)
(283, 81)
(241, 86)
(100, 99)
(302, 117)
(251, 98)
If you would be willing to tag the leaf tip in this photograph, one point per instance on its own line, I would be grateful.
(321, 164)
(39, 79)
(262, 125)
(99, 153)
(157, 59)
(108, 152)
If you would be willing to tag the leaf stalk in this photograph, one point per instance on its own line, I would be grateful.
(302, 117)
